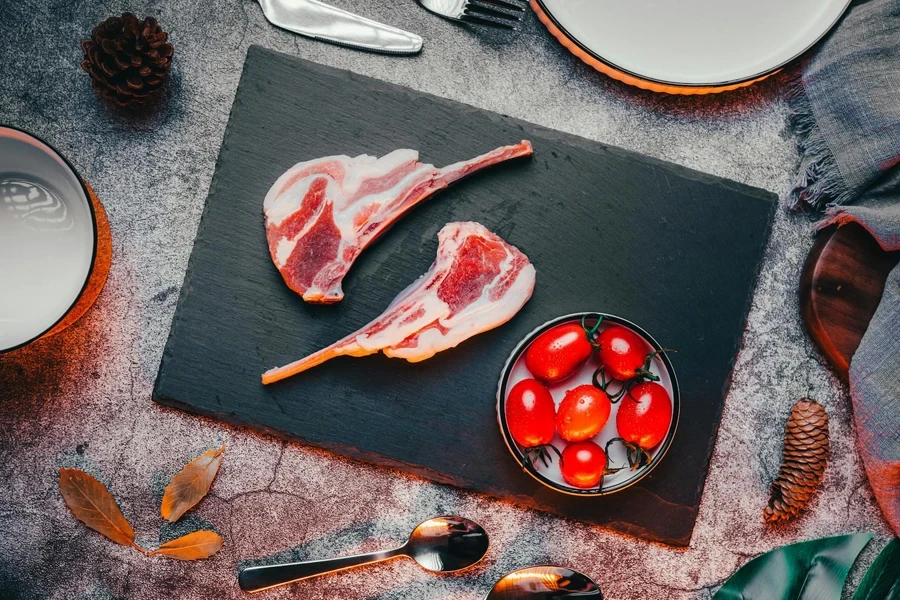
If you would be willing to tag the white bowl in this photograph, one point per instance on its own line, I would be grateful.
(514, 371)
(48, 238)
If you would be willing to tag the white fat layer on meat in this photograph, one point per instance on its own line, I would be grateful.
(369, 167)
(283, 250)
(485, 316)
(479, 316)
(279, 207)
(434, 307)
(344, 217)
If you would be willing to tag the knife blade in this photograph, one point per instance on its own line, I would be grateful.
(331, 24)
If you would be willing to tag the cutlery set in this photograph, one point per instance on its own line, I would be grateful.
(439, 545)
(320, 21)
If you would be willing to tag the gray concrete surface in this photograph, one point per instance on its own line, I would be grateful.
(83, 397)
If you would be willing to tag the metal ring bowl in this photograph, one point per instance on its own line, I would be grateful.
(95, 276)
(657, 454)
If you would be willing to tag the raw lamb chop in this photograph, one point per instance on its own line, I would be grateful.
(321, 214)
(476, 283)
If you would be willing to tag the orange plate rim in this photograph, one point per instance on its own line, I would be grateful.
(592, 60)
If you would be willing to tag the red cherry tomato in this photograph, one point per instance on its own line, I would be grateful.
(530, 413)
(582, 413)
(622, 351)
(583, 464)
(645, 414)
(558, 352)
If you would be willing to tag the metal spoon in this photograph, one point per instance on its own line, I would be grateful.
(441, 544)
(544, 583)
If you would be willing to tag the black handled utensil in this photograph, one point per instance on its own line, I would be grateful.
(441, 544)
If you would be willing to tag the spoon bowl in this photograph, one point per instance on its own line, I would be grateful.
(544, 583)
(446, 544)
(439, 545)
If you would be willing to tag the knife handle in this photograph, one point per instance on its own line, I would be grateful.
(321, 21)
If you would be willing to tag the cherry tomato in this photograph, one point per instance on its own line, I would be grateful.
(558, 352)
(582, 413)
(622, 351)
(530, 413)
(583, 464)
(645, 414)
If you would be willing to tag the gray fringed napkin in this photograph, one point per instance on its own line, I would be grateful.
(846, 112)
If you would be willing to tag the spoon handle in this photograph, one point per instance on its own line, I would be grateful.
(256, 579)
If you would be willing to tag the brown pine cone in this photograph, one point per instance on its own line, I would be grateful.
(128, 59)
(805, 455)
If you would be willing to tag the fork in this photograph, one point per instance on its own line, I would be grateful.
(499, 13)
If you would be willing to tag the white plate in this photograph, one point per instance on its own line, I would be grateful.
(47, 238)
(515, 371)
(695, 42)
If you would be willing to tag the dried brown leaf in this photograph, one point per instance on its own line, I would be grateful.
(193, 546)
(93, 505)
(189, 486)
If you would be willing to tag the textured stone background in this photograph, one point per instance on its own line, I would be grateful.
(83, 397)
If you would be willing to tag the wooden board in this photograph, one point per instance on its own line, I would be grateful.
(840, 288)
(673, 250)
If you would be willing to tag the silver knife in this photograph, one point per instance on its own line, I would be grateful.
(324, 22)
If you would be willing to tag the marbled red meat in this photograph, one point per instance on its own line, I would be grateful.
(321, 214)
(476, 283)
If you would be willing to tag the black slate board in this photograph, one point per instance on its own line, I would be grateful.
(673, 250)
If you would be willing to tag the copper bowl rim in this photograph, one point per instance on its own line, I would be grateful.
(660, 85)
(90, 205)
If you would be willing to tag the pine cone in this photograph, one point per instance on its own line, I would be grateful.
(804, 457)
(128, 59)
